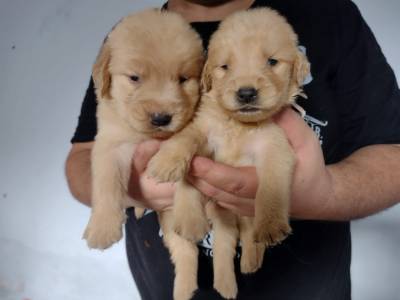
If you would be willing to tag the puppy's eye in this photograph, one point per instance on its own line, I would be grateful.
(182, 79)
(134, 78)
(225, 67)
(272, 62)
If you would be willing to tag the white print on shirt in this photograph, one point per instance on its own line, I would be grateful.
(316, 125)
(206, 244)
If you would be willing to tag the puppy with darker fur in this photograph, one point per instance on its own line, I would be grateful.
(147, 84)
(253, 70)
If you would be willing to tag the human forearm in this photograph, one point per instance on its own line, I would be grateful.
(360, 185)
(365, 183)
(77, 169)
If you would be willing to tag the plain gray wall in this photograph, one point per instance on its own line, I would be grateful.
(47, 49)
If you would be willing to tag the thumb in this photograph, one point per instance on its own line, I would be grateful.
(240, 181)
(143, 153)
(296, 129)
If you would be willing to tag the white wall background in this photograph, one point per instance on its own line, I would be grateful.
(47, 48)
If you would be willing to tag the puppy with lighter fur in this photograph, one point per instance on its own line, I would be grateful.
(147, 78)
(253, 70)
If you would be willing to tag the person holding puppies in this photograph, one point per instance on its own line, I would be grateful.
(347, 160)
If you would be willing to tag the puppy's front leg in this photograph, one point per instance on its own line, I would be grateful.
(190, 220)
(184, 255)
(171, 163)
(275, 171)
(110, 175)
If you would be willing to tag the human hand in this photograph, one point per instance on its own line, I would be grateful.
(153, 195)
(312, 186)
(235, 188)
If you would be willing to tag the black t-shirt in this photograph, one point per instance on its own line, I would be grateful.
(353, 101)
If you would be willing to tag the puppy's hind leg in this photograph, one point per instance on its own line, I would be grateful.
(225, 230)
(252, 252)
(184, 255)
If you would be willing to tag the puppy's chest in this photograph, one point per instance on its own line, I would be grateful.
(237, 146)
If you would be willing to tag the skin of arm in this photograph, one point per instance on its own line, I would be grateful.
(77, 171)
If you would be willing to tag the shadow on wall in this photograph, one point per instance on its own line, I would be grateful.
(27, 274)
(375, 258)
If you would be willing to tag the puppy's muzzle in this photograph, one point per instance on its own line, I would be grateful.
(160, 119)
(246, 95)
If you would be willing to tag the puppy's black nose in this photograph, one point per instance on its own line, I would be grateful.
(246, 95)
(160, 119)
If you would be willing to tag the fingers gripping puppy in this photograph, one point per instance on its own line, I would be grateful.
(253, 70)
(147, 84)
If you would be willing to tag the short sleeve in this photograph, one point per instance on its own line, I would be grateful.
(366, 88)
(87, 125)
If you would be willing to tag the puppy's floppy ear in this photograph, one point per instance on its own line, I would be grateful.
(101, 74)
(206, 80)
(301, 68)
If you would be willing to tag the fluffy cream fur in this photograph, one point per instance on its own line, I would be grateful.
(150, 64)
(251, 49)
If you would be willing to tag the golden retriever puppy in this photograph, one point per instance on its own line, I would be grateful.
(147, 78)
(253, 70)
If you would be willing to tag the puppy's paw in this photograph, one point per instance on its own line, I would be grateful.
(104, 230)
(225, 285)
(184, 288)
(192, 227)
(252, 257)
(271, 232)
(167, 167)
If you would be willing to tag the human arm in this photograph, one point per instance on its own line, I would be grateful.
(364, 183)
(369, 180)
(77, 171)
(141, 188)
